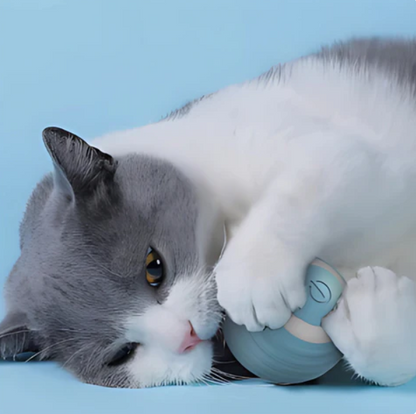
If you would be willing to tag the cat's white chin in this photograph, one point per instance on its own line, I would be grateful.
(155, 367)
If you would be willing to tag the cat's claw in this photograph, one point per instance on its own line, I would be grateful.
(374, 326)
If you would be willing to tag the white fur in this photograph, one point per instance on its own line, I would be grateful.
(321, 163)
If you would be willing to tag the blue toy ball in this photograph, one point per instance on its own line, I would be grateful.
(300, 351)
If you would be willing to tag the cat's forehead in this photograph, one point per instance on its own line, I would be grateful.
(154, 184)
(155, 205)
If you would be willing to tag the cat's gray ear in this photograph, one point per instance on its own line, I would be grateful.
(79, 167)
(16, 339)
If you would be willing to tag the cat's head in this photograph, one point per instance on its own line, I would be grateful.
(114, 279)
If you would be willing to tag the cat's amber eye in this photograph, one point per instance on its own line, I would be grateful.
(155, 273)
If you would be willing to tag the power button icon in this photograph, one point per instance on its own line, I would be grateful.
(320, 292)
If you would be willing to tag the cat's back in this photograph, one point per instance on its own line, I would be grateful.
(353, 99)
(363, 86)
(361, 91)
(356, 97)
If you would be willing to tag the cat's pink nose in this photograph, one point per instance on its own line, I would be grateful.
(190, 341)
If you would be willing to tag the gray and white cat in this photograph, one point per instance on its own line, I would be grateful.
(119, 277)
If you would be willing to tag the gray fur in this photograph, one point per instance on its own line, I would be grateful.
(395, 57)
(81, 269)
(184, 110)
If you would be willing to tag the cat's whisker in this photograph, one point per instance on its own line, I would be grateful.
(219, 378)
(218, 381)
(14, 333)
(223, 362)
(70, 330)
(210, 381)
(49, 347)
(241, 379)
(74, 354)
(93, 353)
(203, 381)
(241, 383)
(28, 331)
(234, 376)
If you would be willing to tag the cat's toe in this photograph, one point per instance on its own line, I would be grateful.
(275, 298)
(270, 311)
(259, 300)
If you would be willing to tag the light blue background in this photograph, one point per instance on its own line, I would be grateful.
(94, 66)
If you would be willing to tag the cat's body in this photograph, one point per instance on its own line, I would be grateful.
(313, 158)
(337, 136)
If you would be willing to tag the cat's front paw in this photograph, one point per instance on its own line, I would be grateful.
(257, 291)
(374, 326)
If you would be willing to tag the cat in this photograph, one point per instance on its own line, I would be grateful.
(123, 276)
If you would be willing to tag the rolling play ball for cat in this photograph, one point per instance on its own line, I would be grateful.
(300, 351)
